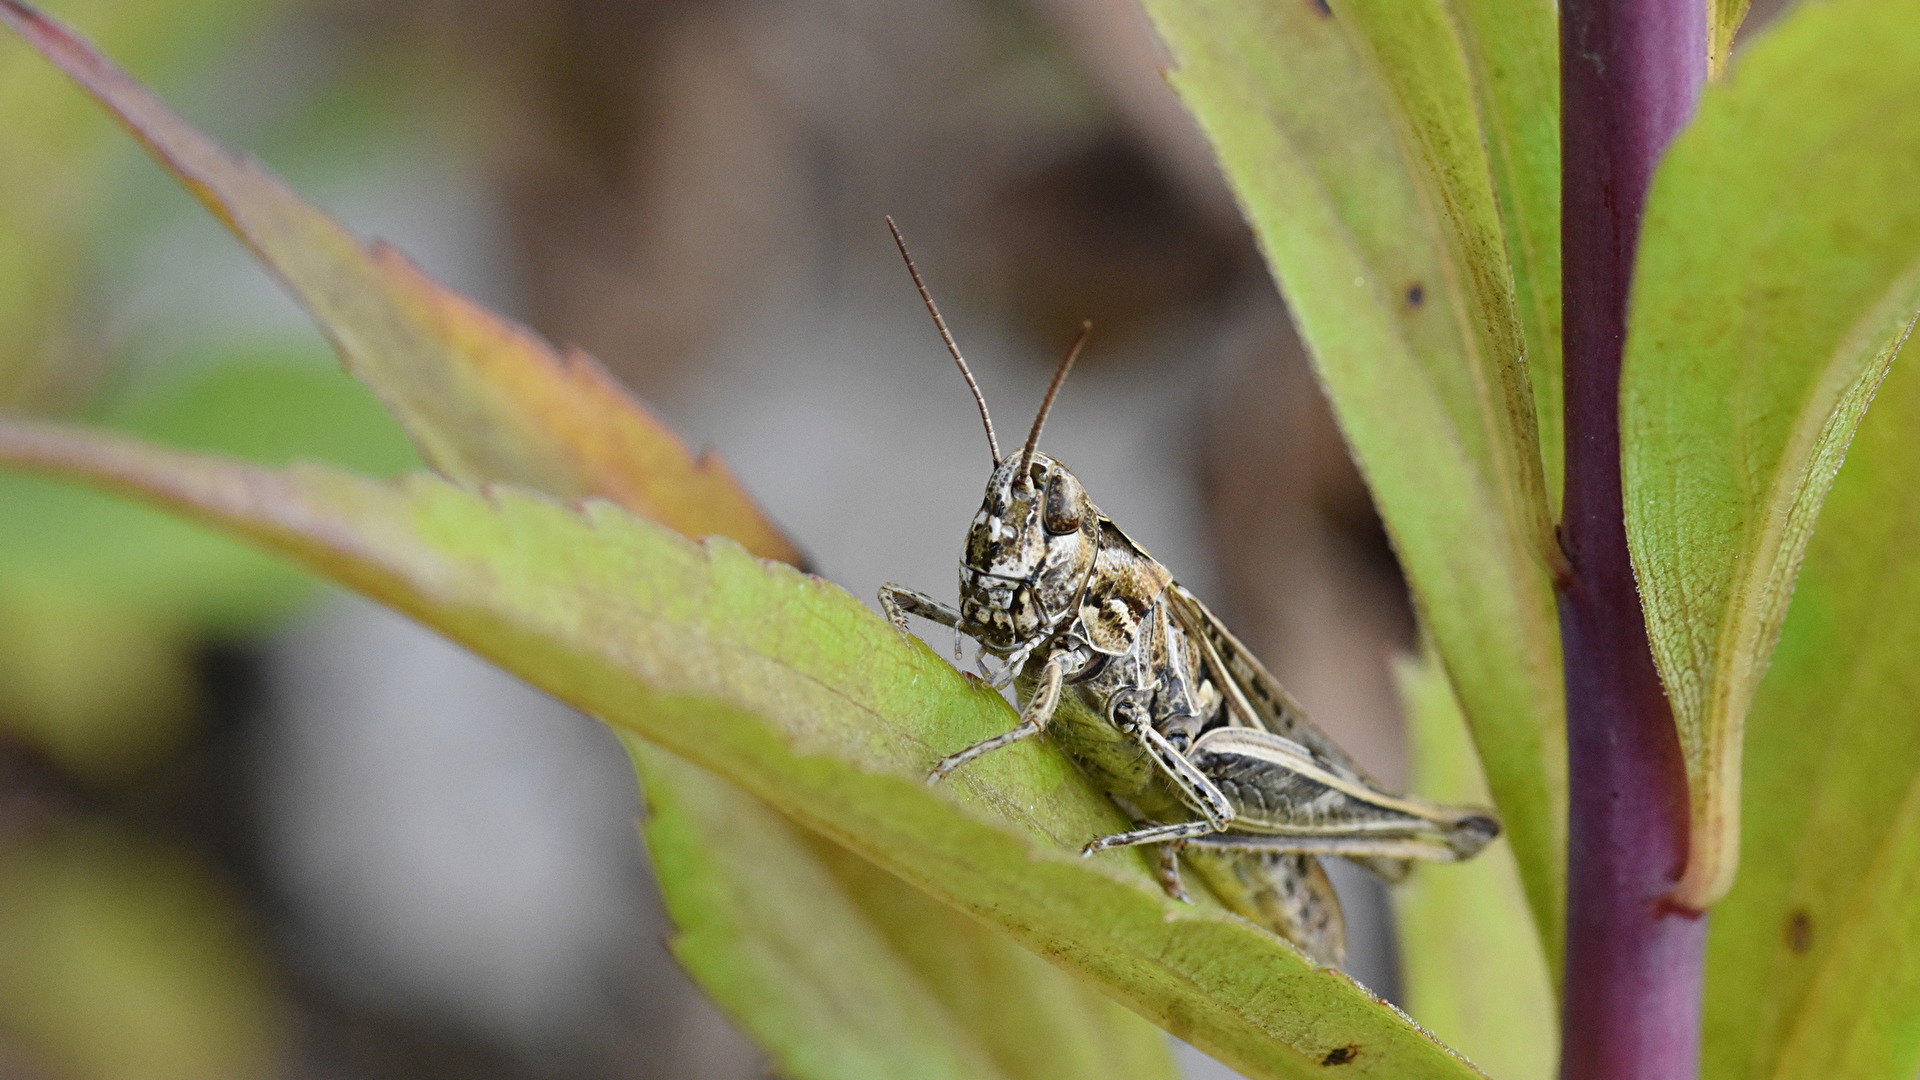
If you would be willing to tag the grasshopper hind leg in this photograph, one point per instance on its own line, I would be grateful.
(1285, 892)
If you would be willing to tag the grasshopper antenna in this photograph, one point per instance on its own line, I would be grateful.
(941, 325)
(1046, 403)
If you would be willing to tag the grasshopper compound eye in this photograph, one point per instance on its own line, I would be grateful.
(1065, 504)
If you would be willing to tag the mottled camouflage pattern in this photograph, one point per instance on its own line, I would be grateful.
(1137, 681)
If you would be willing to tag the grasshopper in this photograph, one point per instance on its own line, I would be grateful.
(1147, 691)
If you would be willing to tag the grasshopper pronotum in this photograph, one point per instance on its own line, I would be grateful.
(1143, 687)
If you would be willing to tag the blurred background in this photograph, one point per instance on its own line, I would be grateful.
(250, 827)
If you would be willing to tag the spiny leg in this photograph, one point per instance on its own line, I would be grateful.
(1033, 719)
(898, 602)
(1357, 846)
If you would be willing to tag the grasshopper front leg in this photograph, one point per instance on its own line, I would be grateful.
(1033, 718)
(898, 602)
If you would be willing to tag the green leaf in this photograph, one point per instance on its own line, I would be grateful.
(1301, 124)
(1471, 966)
(84, 576)
(794, 691)
(1813, 960)
(1473, 86)
(1779, 271)
(491, 403)
(897, 983)
(123, 960)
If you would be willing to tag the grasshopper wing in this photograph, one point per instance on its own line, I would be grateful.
(1256, 699)
(1254, 696)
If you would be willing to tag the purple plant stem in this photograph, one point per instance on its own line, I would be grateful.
(1631, 73)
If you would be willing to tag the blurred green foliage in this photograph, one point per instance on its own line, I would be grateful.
(84, 576)
(121, 956)
(123, 959)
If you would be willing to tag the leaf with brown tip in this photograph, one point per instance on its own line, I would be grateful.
(483, 398)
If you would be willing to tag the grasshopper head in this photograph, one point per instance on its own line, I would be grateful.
(1029, 552)
(1032, 545)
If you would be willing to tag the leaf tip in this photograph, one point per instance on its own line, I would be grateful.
(48, 35)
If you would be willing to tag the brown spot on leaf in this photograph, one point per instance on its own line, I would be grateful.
(1321, 7)
(1416, 295)
(1799, 932)
(1340, 1055)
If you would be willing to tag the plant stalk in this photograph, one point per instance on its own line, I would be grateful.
(1631, 74)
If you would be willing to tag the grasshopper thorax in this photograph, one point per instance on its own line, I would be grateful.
(1029, 553)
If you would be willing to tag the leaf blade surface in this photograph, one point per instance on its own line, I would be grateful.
(1779, 272)
(1299, 123)
(1811, 967)
(789, 688)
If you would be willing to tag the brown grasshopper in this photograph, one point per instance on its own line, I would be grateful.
(1161, 706)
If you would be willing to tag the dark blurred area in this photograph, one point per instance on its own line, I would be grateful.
(253, 828)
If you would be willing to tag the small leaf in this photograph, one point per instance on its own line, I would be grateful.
(481, 397)
(793, 690)
(896, 983)
(1813, 960)
(1299, 121)
(1779, 271)
(1471, 967)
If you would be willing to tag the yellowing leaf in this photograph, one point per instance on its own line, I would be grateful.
(481, 397)
(56, 177)
(488, 402)
(1306, 131)
(794, 691)
(1723, 23)
(1473, 86)
(1779, 271)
